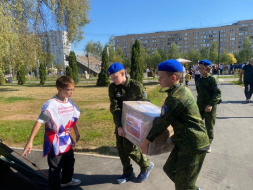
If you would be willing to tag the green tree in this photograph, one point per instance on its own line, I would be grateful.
(246, 51)
(69, 72)
(193, 56)
(103, 78)
(155, 59)
(73, 65)
(136, 66)
(213, 53)
(204, 53)
(2, 81)
(237, 57)
(23, 21)
(42, 73)
(224, 57)
(21, 74)
(164, 55)
(144, 57)
(173, 52)
(95, 48)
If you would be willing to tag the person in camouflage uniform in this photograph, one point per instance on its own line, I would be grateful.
(209, 95)
(190, 137)
(124, 89)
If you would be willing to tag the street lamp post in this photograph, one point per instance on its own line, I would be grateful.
(219, 54)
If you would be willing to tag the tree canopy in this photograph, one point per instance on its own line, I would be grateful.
(23, 21)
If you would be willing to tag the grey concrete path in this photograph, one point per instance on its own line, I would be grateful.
(228, 167)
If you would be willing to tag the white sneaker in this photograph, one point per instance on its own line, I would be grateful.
(74, 182)
(209, 150)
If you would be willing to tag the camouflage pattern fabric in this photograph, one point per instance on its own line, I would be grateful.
(181, 111)
(183, 167)
(127, 150)
(209, 93)
(191, 140)
(131, 91)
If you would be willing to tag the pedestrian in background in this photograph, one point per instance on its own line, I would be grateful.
(190, 137)
(124, 89)
(208, 96)
(247, 72)
(187, 78)
(196, 73)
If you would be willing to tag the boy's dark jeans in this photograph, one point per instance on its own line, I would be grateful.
(248, 90)
(63, 162)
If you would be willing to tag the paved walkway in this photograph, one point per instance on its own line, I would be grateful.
(228, 167)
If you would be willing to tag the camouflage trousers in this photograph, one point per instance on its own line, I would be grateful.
(209, 118)
(127, 151)
(183, 167)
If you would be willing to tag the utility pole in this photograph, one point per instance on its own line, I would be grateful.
(219, 53)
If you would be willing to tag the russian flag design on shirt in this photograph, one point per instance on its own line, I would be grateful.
(64, 115)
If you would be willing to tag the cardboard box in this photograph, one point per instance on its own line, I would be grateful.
(137, 120)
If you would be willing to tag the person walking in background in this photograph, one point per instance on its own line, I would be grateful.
(196, 73)
(247, 72)
(208, 96)
(187, 78)
(190, 137)
(221, 68)
(59, 115)
(124, 89)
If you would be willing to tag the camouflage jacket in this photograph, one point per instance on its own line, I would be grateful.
(208, 90)
(132, 91)
(181, 111)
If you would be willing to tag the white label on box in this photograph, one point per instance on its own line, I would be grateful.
(133, 126)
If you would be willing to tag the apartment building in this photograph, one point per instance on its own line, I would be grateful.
(230, 38)
(57, 44)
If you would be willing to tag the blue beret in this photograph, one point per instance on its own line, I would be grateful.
(170, 65)
(115, 67)
(205, 62)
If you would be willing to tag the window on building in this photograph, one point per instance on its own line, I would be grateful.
(196, 37)
(222, 31)
(187, 34)
(243, 33)
(163, 36)
(232, 30)
(232, 38)
(243, 29)
(195, 33)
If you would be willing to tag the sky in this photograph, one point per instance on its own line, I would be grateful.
(122, 17)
